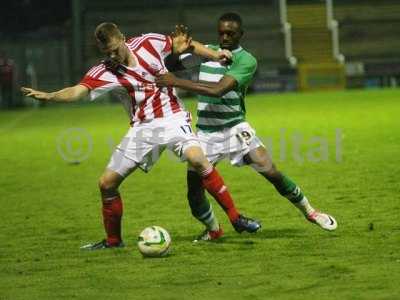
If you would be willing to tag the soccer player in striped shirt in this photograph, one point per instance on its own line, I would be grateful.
(222, 128)
(157, 116)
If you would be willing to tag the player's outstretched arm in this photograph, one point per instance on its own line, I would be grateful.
(222, 56)
(182, 42)
(226, 84)
(68, 94)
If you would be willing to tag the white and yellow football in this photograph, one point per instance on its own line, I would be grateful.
(154, 241)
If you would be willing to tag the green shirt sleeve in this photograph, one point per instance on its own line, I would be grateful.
(243, 69)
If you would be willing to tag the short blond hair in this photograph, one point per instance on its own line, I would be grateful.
(105, 32)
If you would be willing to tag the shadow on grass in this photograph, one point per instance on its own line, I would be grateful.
(266, 234)
(248, 238)
(282, 233)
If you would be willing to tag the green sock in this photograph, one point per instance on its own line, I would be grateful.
(203, 212)
(288, 189)
(209, 220)
(198, 202)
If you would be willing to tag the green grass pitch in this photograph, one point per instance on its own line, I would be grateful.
(342, 148)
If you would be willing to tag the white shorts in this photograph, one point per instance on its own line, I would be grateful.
(143, 144)
(232, 143)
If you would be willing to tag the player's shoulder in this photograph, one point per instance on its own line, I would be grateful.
(246, 57)
(146, 36)
(131, 39)
(156, 40)
(96, 70)
(154, 36)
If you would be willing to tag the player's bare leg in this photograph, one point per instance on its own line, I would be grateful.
(117, 170)
(205, 175)
(112, 205)
(260, 161)
(111, 210)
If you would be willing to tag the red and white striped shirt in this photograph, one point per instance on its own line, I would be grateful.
(143, 100)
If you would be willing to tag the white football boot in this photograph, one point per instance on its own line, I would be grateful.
(323, 220)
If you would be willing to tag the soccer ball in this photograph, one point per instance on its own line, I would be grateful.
(154, 241)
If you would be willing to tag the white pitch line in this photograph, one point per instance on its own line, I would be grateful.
(16, 121)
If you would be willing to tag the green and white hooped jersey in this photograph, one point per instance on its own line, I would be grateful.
(215, 114)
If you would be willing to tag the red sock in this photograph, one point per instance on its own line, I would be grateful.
(112, 215)
(214, 184)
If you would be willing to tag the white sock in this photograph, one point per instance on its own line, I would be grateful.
(304, 206)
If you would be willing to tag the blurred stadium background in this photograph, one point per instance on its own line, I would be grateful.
(300, 44)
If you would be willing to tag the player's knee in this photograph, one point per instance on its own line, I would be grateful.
(267, 169)
(106, 184)
(264, 166)
(199, 163)
(273, 174)
(196, 159)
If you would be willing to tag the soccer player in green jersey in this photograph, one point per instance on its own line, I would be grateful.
(223, 130)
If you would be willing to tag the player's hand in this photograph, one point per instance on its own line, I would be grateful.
(224, 57)
(181, 41)
(38, 95)
(167, 79)
(111, 64)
